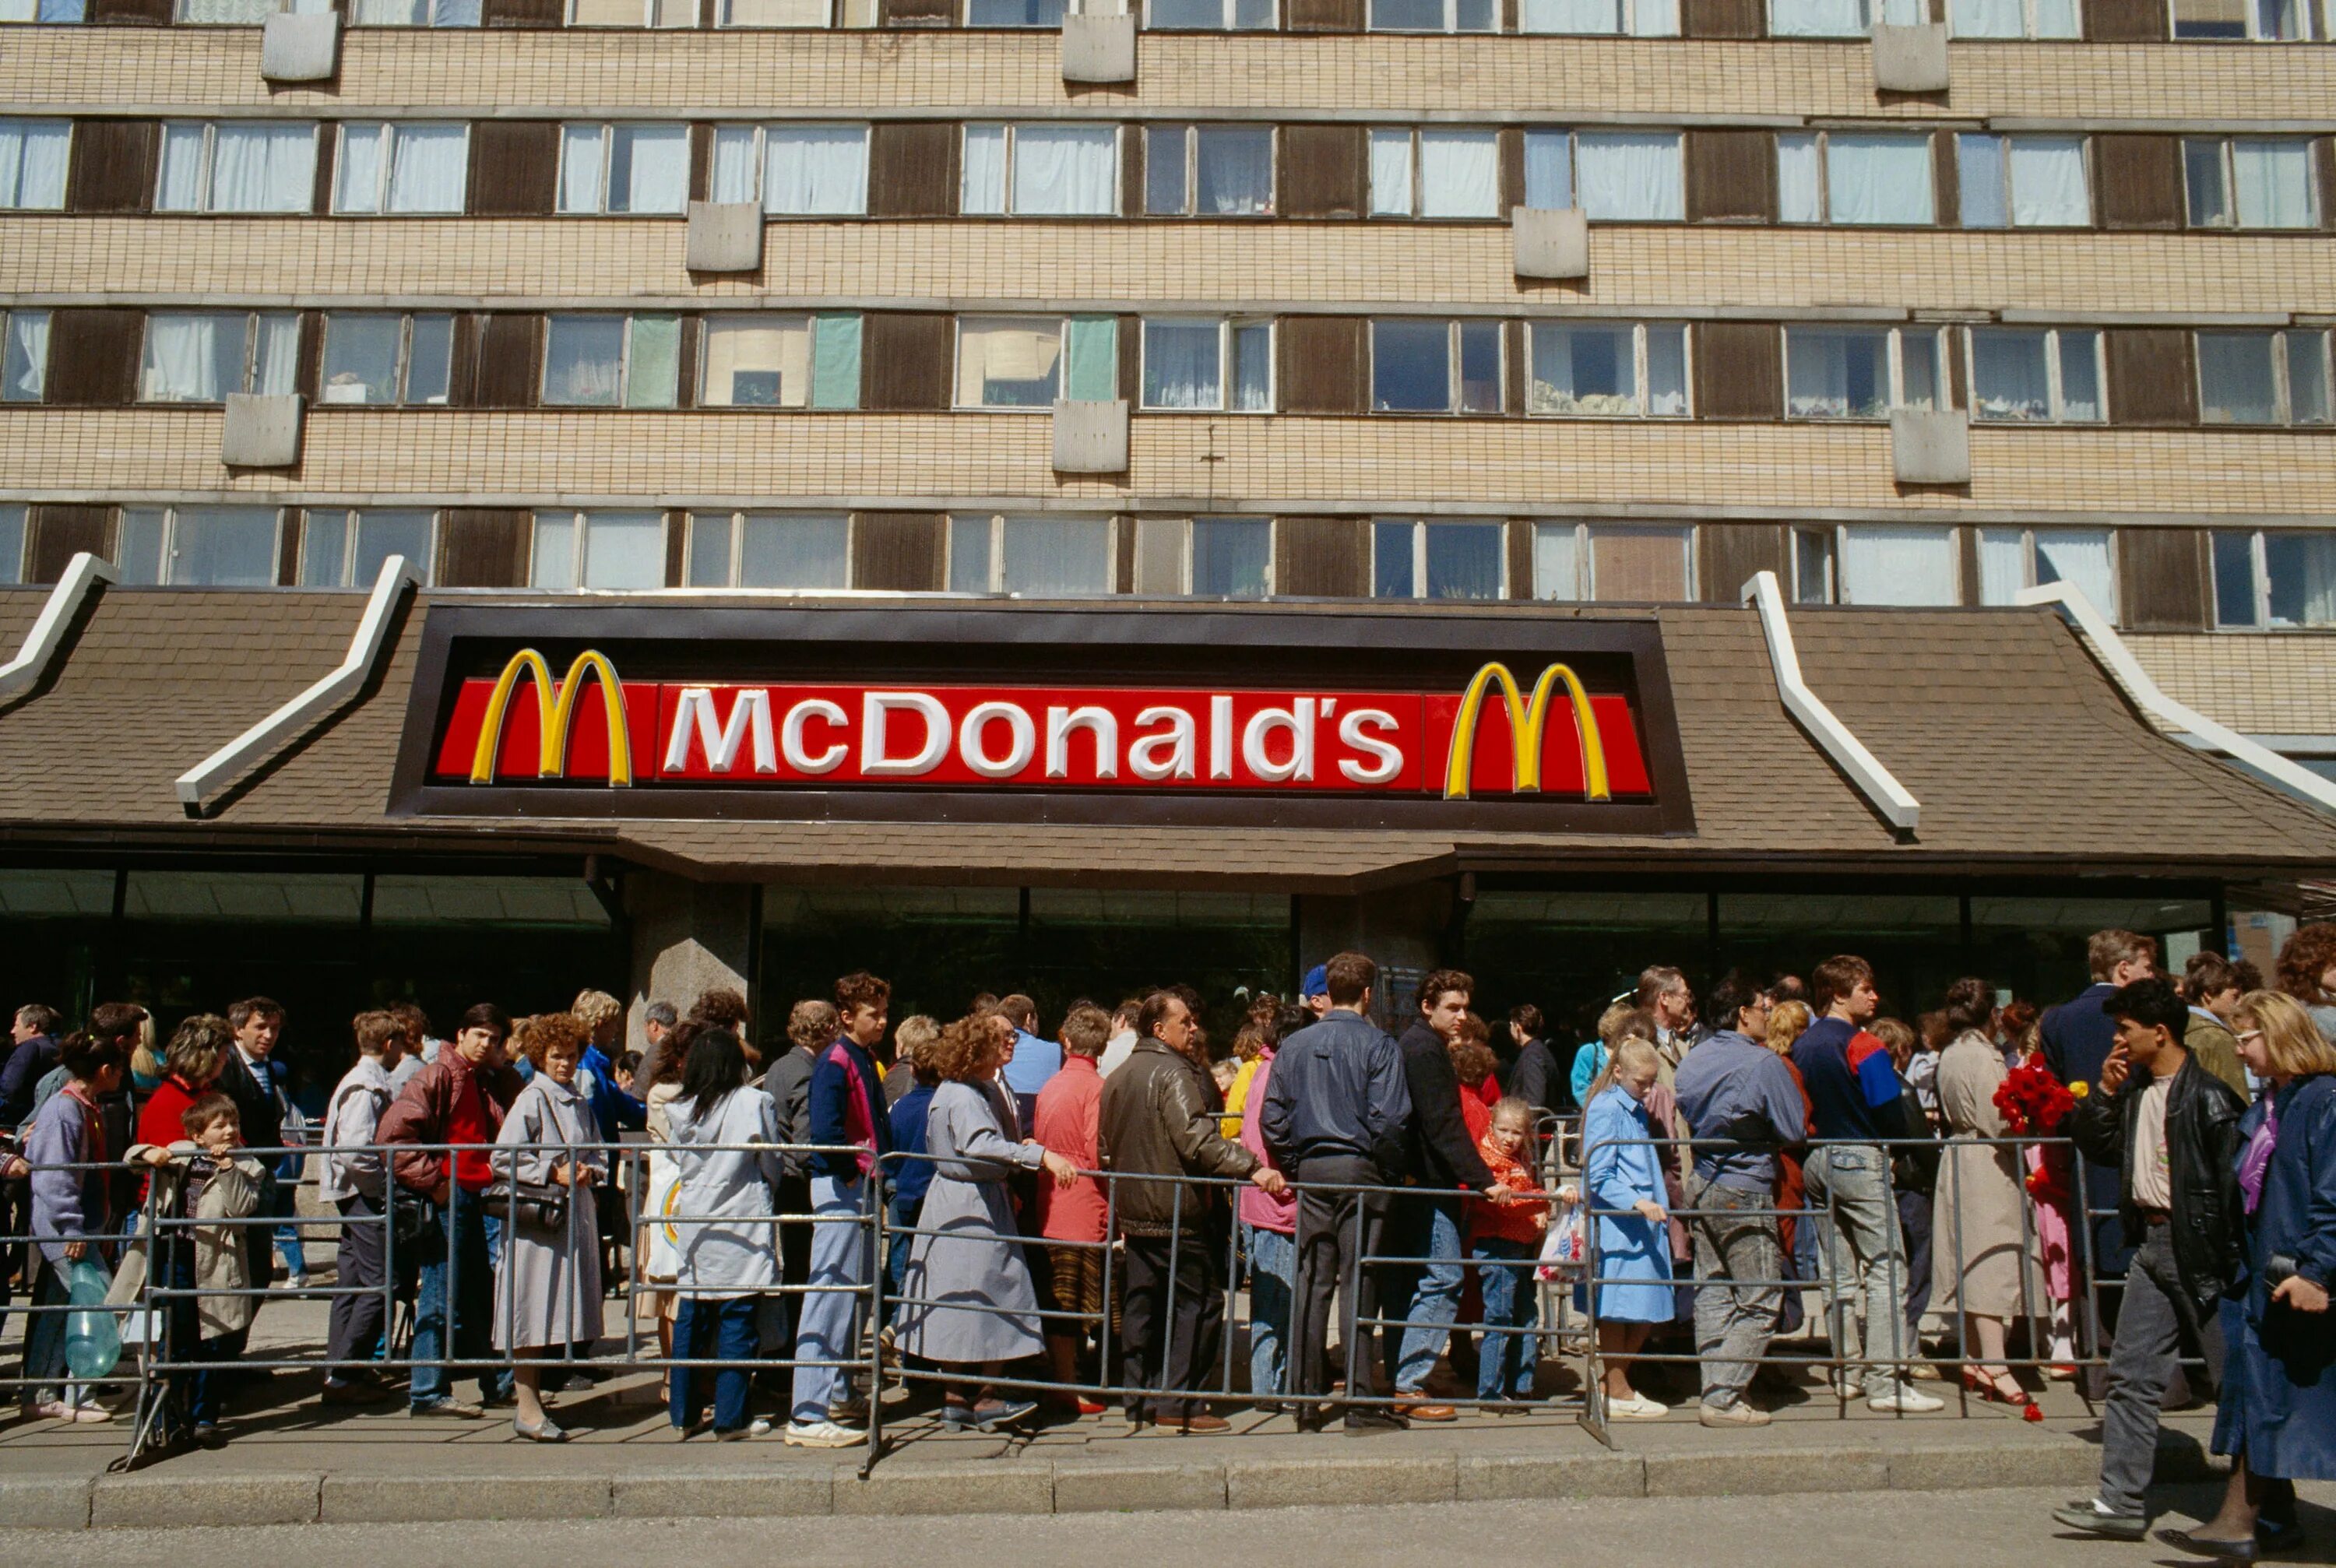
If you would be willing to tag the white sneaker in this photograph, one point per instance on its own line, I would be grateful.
(1637, 1407)
(1906, 1401)
(823, 1435)
(760, 1426)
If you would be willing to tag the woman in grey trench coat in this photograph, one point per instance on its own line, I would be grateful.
(1977, 1222)
(967, 1298)
(547, 1289)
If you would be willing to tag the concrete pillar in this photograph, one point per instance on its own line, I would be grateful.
(688, 937)
(1403, 929)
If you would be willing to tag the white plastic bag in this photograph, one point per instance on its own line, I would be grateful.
(1563, 1250)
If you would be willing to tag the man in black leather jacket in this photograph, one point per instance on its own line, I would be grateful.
(2171, 1129)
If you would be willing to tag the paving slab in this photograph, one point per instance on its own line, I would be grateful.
(1357, 1480)
(1486, 1477)
(155, 1500)
(914, 1486)
(363, 1499)
(45, 1502)
(1129, 1486)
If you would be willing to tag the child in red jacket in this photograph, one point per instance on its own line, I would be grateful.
(1506, 1240)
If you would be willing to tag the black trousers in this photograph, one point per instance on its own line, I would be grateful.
(357, 1320)
(1169, 1331)
(1335, 1231)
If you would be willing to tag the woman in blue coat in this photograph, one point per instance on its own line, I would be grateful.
(1622, 1181)
(2277, 1416)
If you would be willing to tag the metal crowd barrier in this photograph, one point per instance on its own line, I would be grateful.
(164, 1363)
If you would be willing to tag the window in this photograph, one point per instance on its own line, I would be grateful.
(769, 549)
(1435, 16)
(1586, 368)
(2013, 558)
(1435, 174)
(1837, 18)
(1615, 177)
(201, 357)
(1208, 171)
(795, 171)
(345, 548)
(199, 546)
(23, 356)
(1621, 18)
(230, 167)
(12, 544)
(632, 13)
(413, 13)
(2013, 18)
(1892, 563)
(780, 362)
(2023, 181)
(597, 549)
(1211, 15)
(387, 168)
(1231, 557)
(2263, 377)
(2275, 579)
(1041, 170)
(1582, 562)
(238, 12)
(386, 359)
(48, 11)
(33, 164)
(617, 168)
(611, 361)
(1018, 361)
(2260, 21)
(1814, 574)
(1040, 557)
(1435, 366)
(2240, 183)
(1013, 13)
(1857, 373)
(1844, 177)
(2021, 375)
(1207, 364)
(797, 14)
(1420, 559)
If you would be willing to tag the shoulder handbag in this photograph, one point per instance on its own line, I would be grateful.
(539, 1206)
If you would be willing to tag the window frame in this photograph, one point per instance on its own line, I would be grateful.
(405, 372)
(842, 16)
(1943, 399)
(1825, 541)
(1585, 558)
(1625, 13)
(623, 404)
(64, 186)
(205, 207)
(1419, 172)
(430, 7)
(2029, 33)
(2318, 27)
(2225, 147)
(8, 317)
(606, 141)
(1451, 29)
(389, 131)
(2282, 377)
(1228, 367)
(997, 522)
(1012, 130)
(647, 24)
(1639, 359)
(1186, 528)
(1976, 590)
(1418, 527)
(2003, 141)
(16, 515)
(579, 518)
(1454, 379)
(1574, 134)
(1192, 139)
(168, 545)
(732, 521)
(2258, 548)
(427, 566)
(36, 20)
(2054, 376)
(251, 320)
(1821, 136)
(761, 181)
(1229, 9)
(1062, 360)
(1959, 590)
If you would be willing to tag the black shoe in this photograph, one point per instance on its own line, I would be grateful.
(207, 1435)
(1372, 1423)
(2283, 1536)
(505, 1400)
(2266, 1540)
(2091, 1521)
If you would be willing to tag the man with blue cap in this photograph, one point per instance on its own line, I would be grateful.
(1314, 993)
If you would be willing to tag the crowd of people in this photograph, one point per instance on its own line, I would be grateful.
(2144, 1174)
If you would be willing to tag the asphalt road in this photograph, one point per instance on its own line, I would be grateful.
(1998, 1529)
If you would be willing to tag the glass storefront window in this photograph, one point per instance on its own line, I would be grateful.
(1570, 953)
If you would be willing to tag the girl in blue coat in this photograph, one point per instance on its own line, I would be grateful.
(1623, 1180)
(2277, 1415)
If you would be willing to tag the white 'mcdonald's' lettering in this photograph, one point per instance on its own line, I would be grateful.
(876, 710)
(693, 719)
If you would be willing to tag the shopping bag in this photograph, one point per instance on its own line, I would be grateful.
(1562, 1249)
(92, 1340)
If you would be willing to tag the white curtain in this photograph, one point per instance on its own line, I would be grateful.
(32, 163)
(1459, 174)
(1879, 179)
(1654, 19)
(1391, 173)
(2079, 558)
(1667, 371)
(263, 168)
(274, 356)
(1570, 16)
(179, 188)
(24, 364)
(1796, 178)
(733, 164)
(232, 13)
(1183, 365)
(579, 168)
(1885, 564)
(2002, 564)
(649, 169)
(1557, 560)
(2056, 19)
(1978, 180)
(555, 552)
(1631, 176)
(2048, 183)
(2009, 376)
(430, 168)
(1987, 18)
(1061, 170)
(795, 552)
(2274, 180)
(1057, 555)
(183, 362)
(1817, 18)
(356, 181)
(1549, 169)
(982, 185)
(1252, 377)
(1236, 170)
(815, 169)
(624, 549)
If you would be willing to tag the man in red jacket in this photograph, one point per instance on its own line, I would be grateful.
(458, 1100)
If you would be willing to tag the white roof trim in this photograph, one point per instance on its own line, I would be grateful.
(1901, 810)
(302, 712)
(2111, 650)
(22, 673)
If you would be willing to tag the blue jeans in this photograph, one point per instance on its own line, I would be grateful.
(706, 1329)
(1508, 1351)
(1272, 1274)
(830, 1318)
(462, 1251)
(284, 1205)
(1435, 1299)
(45, 1332)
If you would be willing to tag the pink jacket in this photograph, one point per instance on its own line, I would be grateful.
(1259, 1207)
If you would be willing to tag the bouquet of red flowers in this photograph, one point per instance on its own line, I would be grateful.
(2033, 1102)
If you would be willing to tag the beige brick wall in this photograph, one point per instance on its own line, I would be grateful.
(2260, 684)
(1293, 463)
(739, 72)
(1358, 265)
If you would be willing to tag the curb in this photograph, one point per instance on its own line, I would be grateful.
(1051, 1485)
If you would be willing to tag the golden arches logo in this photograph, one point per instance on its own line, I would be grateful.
(555, 714)
(1527, 716)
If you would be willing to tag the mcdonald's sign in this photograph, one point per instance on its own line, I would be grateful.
(744, 722)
